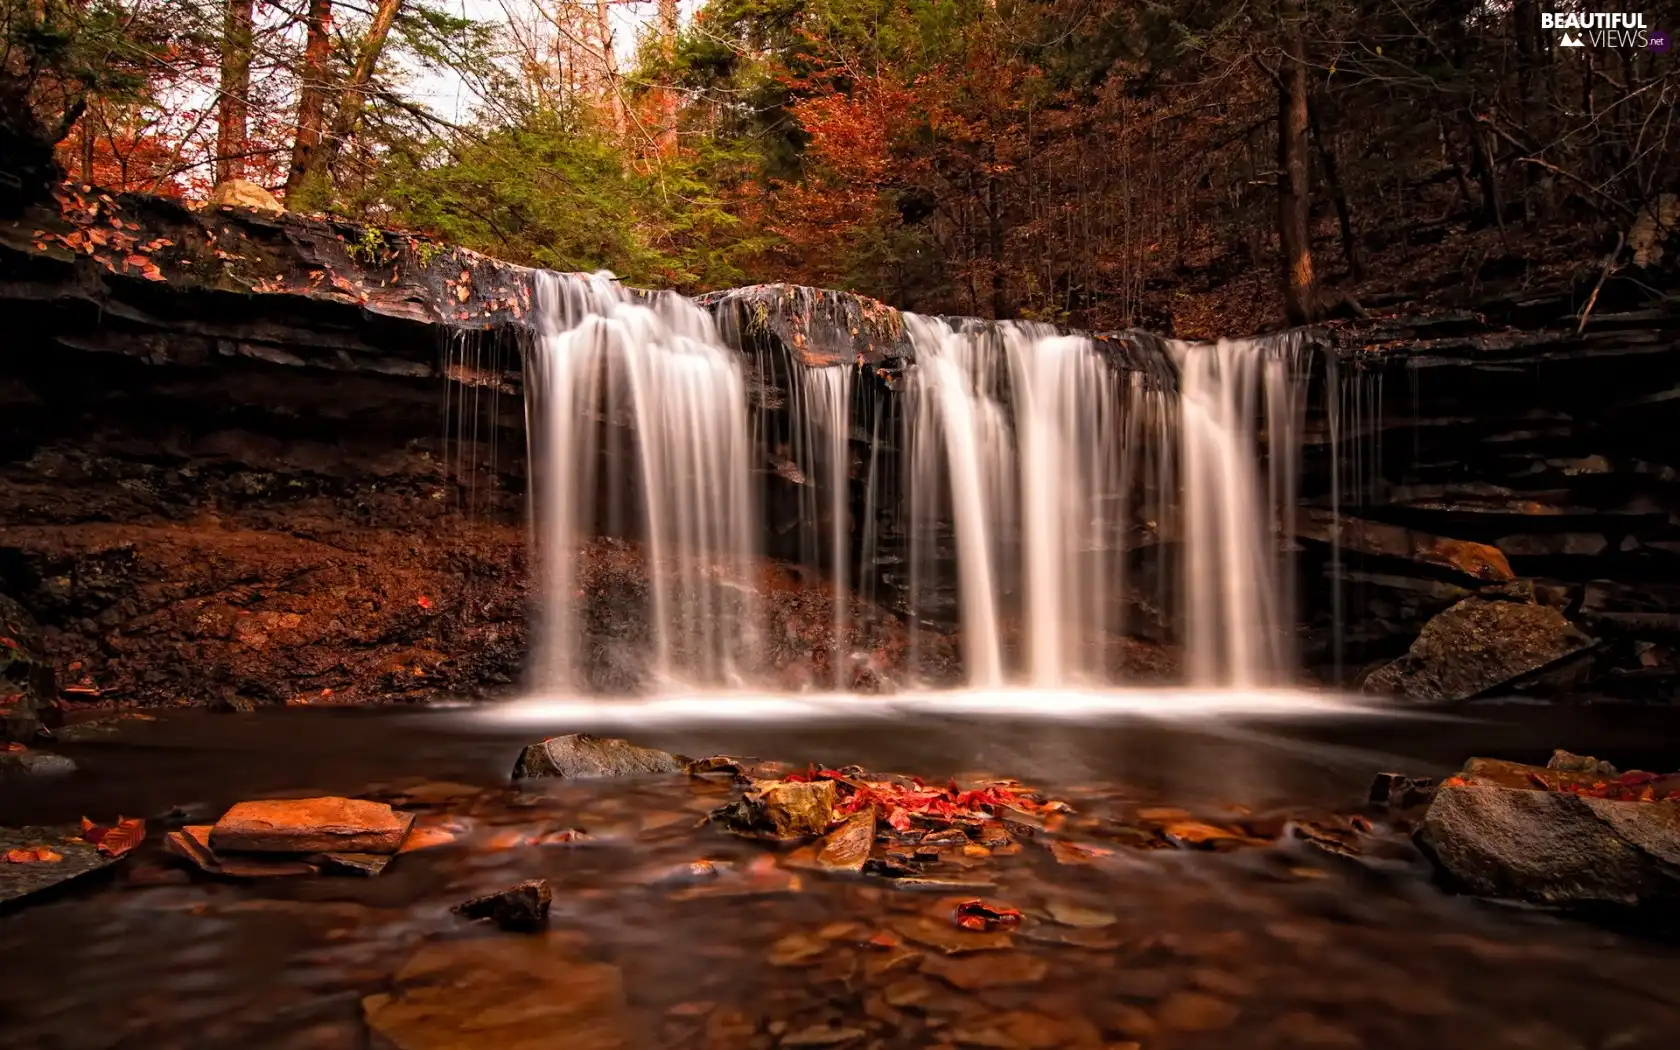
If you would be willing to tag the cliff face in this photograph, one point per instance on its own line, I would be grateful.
(224, 469)
(265, 457)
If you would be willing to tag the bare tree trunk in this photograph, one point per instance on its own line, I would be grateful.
(1300, 291)
(1001, 309)
(233, 104)
(610, 91)
(668, 25)
(1338, 195)
(312, 96)
(354, 96)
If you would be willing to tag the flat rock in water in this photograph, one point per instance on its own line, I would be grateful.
(523, 907)
(1475, 647)
(1554, 847)
(76, 858)
(579, 755)
(311, 825)
(504, 993)
(192, 843)
(36, 763)
(368, 864)
(848, 846)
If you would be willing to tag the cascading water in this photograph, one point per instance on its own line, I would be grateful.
(637, 417)
(1034, 473)
(1032, 444)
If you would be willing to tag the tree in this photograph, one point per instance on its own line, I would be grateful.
(233, 101)
(312, 95)
(1300, 287)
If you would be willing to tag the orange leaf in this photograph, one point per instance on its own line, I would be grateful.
(33, 855)
(123, 838)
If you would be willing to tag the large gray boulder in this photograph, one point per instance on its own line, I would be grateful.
(1554, 847)
(1475, 647)
(581, 755)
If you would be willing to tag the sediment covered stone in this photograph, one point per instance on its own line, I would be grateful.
(311, 825)
(1478, 646)
(579, 755)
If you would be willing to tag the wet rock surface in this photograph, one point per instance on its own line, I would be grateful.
(1574, 833)
(521, 908)
(1476, 647)
(581, 755)
(27, 687)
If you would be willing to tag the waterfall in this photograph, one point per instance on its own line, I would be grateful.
(637, 420)
(1033, 445)
(1058, 487)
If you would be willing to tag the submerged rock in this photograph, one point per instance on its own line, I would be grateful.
(311, 825)
(523, 907)
(1477, 646)
(510, 994)
(1553, 847)
(578, 755)
(36, 763)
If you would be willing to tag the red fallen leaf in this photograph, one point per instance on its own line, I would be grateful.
(12, 745)
(424, 602)
(975, 914)
(1538, 781)
(8, 643)
(884, 939)
(33, 855)
(124, 837)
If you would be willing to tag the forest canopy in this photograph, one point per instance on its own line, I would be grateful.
(1101, 163)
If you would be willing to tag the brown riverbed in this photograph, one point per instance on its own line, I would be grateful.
(1276, 944)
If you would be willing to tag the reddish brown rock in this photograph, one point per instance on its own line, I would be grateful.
(311, 825)
(192, 843)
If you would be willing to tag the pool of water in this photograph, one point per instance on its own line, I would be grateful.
(1274, 946)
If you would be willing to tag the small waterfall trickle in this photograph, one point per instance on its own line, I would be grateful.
(827, 399)
(637, 418)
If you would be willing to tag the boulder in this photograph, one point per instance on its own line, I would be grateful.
(578, 755)
(781, 810)
(241, 193)
(27, 689)
(311, 825)
(523, 907)
(1554, 847)
(1478, 646)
